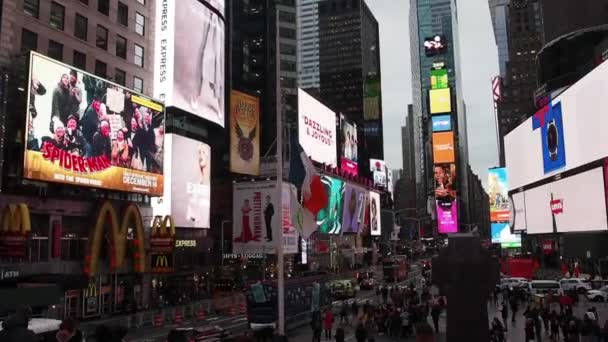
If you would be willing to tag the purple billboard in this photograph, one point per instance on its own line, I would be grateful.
(447, 216)
(356, 200)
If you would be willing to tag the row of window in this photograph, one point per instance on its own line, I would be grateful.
(29, 41)
(81, 25)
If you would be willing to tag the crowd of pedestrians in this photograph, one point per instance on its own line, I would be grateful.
(398, 312)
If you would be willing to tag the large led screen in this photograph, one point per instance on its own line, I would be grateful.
(378, 169)
(447, 216)
(356, 200)
(244, 133)
(445, 181)
(501, 233)
(374, 214)
(348, 139)
(439, 79)
(518, 212)
(371, 97)
(83, 130)
(219, 5)
(189, 58)
(498, 194)
(317, 129)
(443, 148)
(440, 101)
(329, 219)
(435, 45)
(442, 123)
(576, 204)
(563, 136)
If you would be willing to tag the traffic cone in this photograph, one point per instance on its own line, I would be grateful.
(178, 319)
(159, 320)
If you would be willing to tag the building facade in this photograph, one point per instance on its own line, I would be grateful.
(499, 11)
(110, 39)
(308, 45)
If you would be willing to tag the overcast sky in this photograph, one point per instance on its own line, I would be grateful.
(479, 64)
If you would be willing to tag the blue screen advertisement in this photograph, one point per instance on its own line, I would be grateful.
(442, 123)
(549, 120)
(501, 233)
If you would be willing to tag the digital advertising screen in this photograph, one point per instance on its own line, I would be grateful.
(378, 169)
(356, 200)
(189, 58)
(445, 181)
(498, 194)
(518, 212)
(566, 134)
(447, 216)
(435, 45)
(244, 133)
(317, 129)
(371, 97)
(219, 5)
(375, 223)
(348, 138)
(439, 79)
(442, 123)
(501, 233)
(329, 219)
(440, 101)
(83, 130)
(443, 148)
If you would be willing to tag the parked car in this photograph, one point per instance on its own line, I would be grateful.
(581, 285)
(513, 283)
(44, 328)
(207, 334)
(343, 289)
(599, 295)
(545, 287)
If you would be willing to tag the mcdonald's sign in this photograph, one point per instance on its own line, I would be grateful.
(117, 237)
(162, 263)
(16, 226)
(91, 290)
(162, 234)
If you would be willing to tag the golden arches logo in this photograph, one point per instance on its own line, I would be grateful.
(163, 226)
(162, 261)
(16, 220)
(118, 238)
(91, 291)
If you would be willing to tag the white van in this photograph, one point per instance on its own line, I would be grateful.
(544, 287)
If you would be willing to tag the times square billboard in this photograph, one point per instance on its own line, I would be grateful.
(86, 131)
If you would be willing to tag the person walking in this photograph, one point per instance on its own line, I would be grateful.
(371, 330)
(317, 326)
(360, 332)
(513, 303)
(340, 333)
(344, 314)
(529, 330)
(505, 314)
(395, 324)
(328, 323)
(435, 313)
(555, 322)
(405, 323)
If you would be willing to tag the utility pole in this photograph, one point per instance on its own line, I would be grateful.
(279, 189)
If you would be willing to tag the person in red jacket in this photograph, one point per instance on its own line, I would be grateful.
(328, 323)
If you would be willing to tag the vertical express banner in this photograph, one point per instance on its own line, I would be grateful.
(244, 133)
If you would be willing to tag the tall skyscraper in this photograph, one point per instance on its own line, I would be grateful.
(350, 70)
(308, 44)
(435, 72)
(499, 11)
(407, 146)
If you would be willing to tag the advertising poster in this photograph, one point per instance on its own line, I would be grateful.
(219, 5)
(435, 45)
(552, 137)
(440, 100)
(374, 214)
(355, 202)
(442, 123)
(317, 129)
(189, 58)
(329, 219)
(439, 79)
(290, 233)
(83, 130)
(447, 216)
(445, 181)
(443, 148)
(371, 97)
(378, 169)
(348, 139)
(498, 194)
(501, 233)
(190, 182)
(244, 133)
(255, 216)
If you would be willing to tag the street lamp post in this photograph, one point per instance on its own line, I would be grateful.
(222, 241)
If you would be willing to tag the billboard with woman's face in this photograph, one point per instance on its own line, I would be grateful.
(84, 130)
(374, 214)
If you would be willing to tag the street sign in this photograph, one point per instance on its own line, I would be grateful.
(6, 274)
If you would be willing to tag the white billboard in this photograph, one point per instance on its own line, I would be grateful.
(317, 129)
(187, 189)
(189, 58)
(518, 212)
(257, 214)
(374, 214)
(566, 134)
(576, 203)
